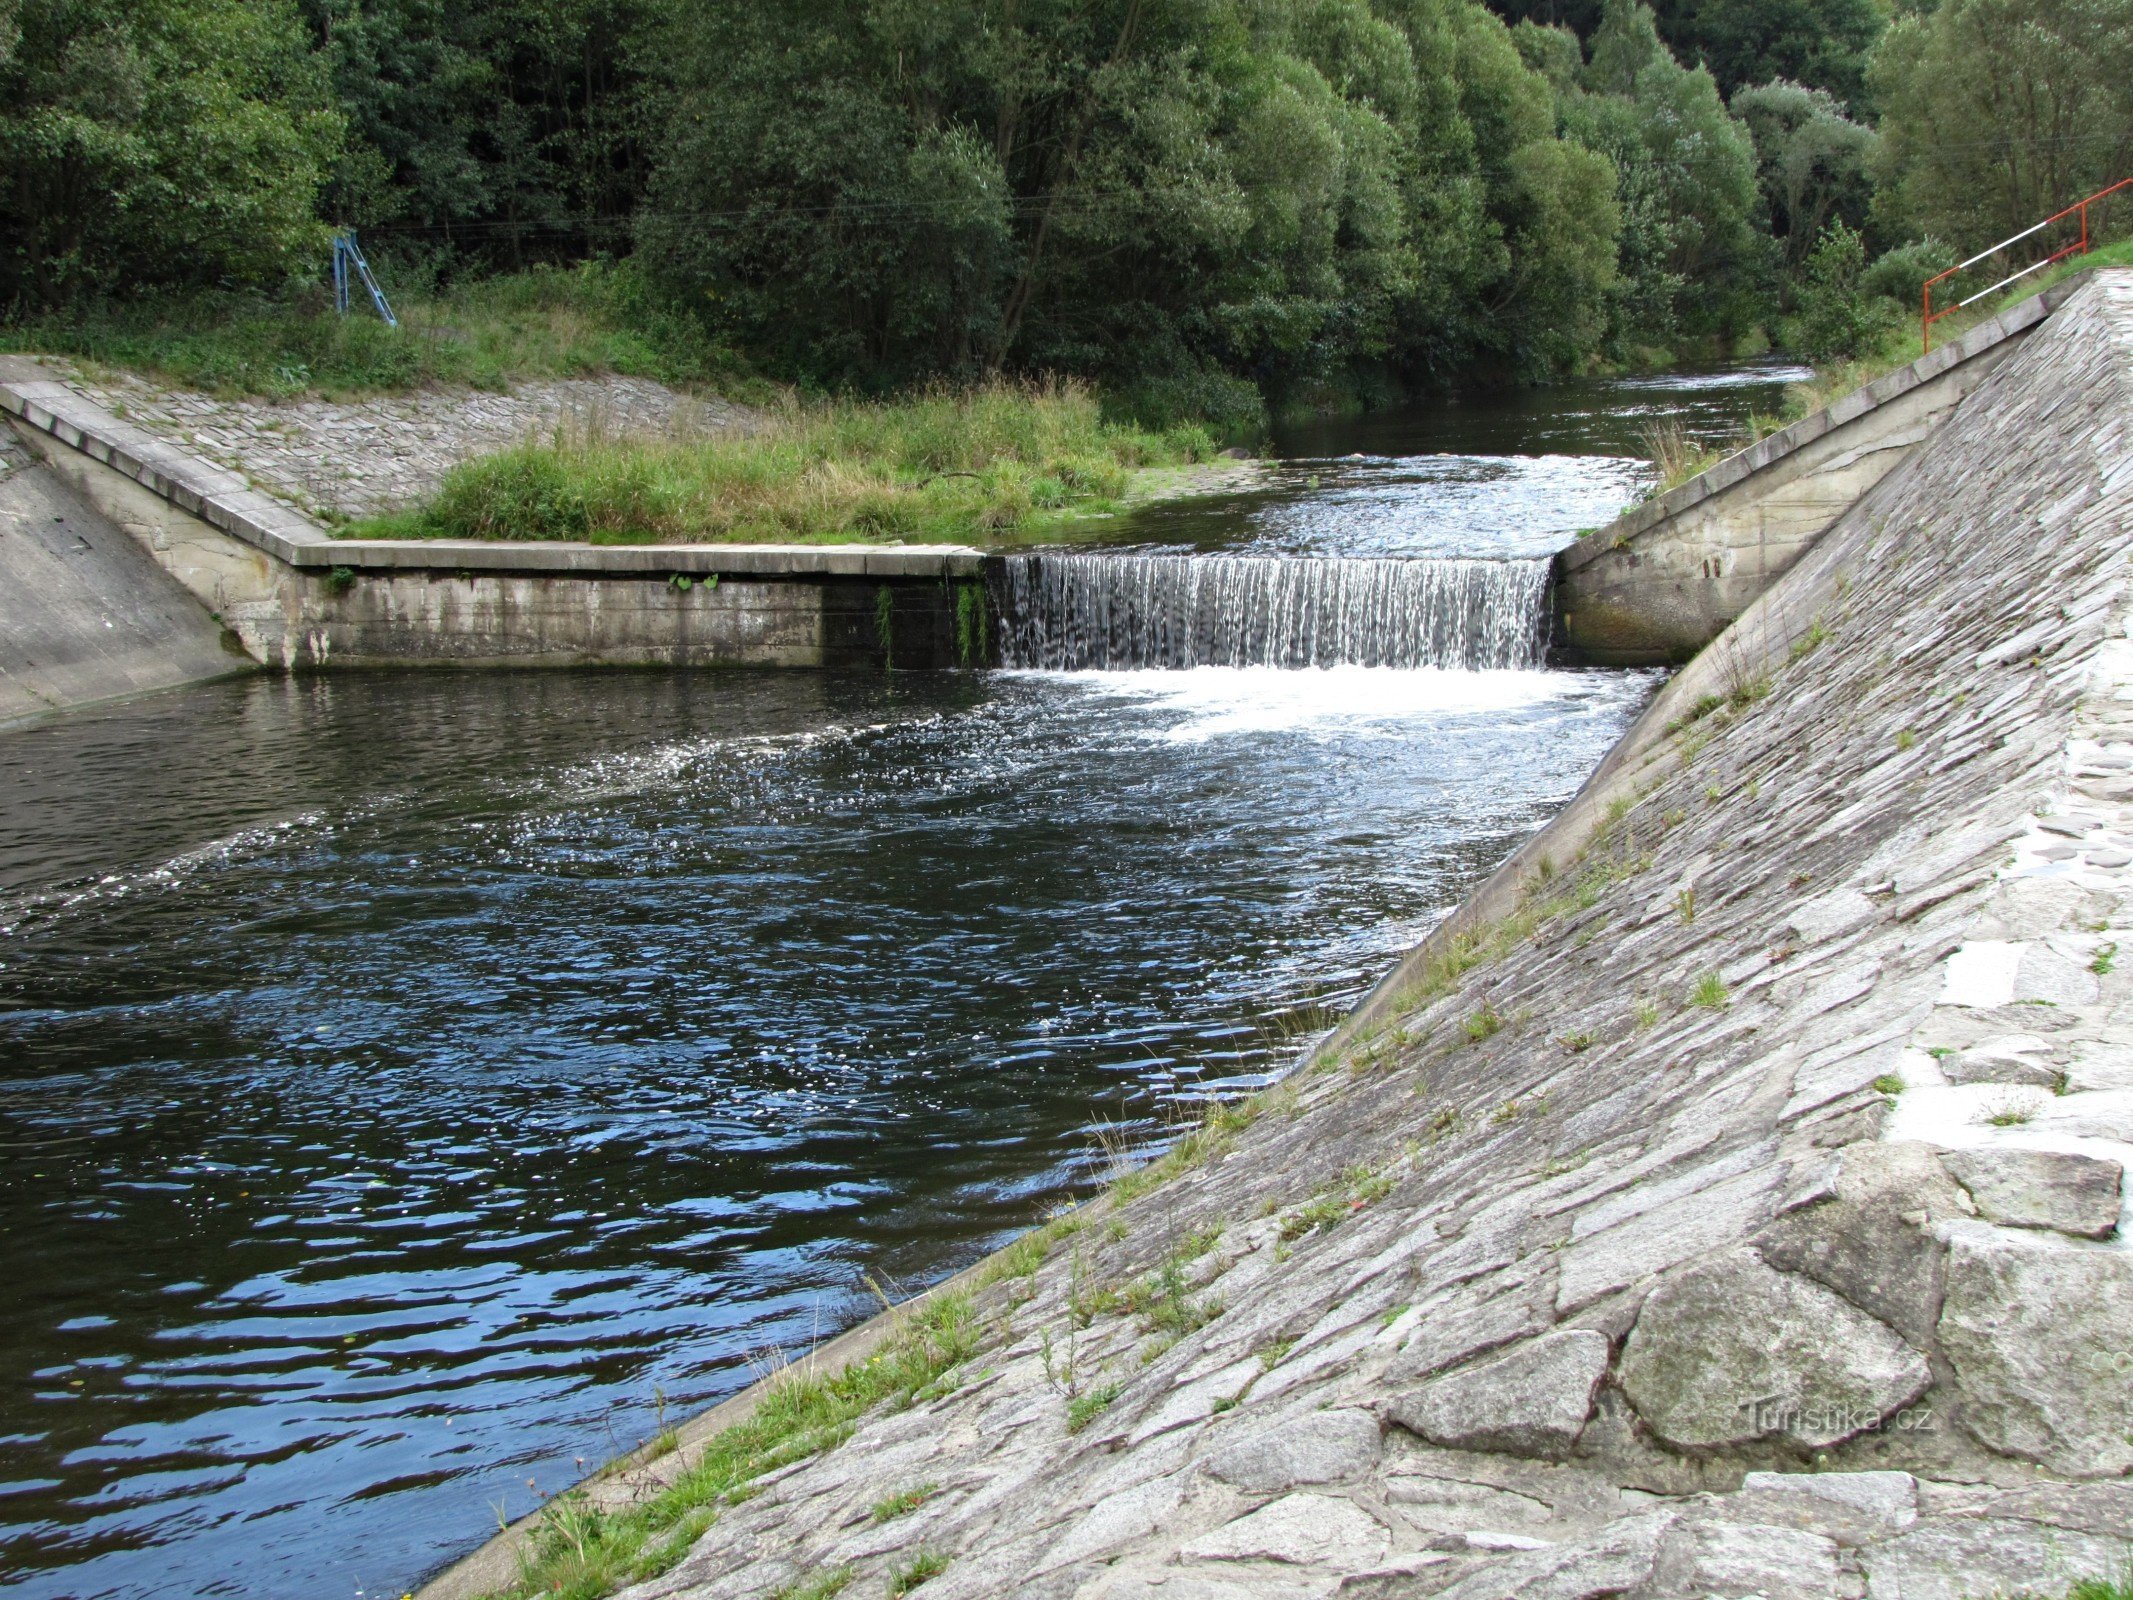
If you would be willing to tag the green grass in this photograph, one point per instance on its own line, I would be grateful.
(586, 321)
(826, 1587)
(579, 1552)
(987, 463)
(926, 1564)
(902, 1503)
(1709, 992)
(1087, 1406)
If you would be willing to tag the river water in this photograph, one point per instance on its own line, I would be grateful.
(411, 1083)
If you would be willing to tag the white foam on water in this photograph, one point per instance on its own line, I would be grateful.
(1210, 702)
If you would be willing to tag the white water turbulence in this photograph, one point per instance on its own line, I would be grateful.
(1114, 612)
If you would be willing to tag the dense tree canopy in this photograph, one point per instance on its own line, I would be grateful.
(1274, 188)
(1996, 113)
(1201, 202)
(158, 141)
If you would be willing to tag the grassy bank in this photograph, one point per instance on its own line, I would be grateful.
(583, 321)
(987, 463)
(1903, 343)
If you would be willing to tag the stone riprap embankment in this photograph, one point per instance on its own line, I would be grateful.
(339, 459)
(1730, 1203)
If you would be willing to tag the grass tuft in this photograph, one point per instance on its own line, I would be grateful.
(997, 462)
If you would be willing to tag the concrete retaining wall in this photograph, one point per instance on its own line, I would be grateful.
(297, 598)
(1663, 579)
(85, 614)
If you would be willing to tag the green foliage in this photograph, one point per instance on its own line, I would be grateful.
(1825, 44)
(1838, 319)
(943, 465)
(546, 323)
(1996, 113)
(512, 129)
(1686, 170)
(1149, 190)
(1813, 163)
(158, 142)
(579, 1552)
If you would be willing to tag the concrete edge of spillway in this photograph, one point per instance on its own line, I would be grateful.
(1728, 1198)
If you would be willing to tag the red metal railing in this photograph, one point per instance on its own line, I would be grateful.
(2079, 247)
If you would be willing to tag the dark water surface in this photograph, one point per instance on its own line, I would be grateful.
(408, 1079)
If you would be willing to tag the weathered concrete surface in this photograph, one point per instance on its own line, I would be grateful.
(1695, 1016)
(85, 614)
(1663, 579)
(298, 599)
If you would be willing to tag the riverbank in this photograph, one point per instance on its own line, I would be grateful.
(1762, 1033)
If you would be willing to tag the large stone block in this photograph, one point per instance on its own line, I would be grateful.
(2038, 1335)
(1531, 1401)
(1872, 1242)
(2041, 1189)
(1731, 1351)
(1321, 1447)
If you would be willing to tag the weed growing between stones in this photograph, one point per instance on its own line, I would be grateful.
(1085, 1407)
(1905, 739)
(927, 1564)
(2008, 1111)
(1685, 904)
(1483, 1024)
(1576, 1043)
(1646, 1013)
(1709, 993)
(902, 1503)
(579, 1551)
(1889, 1084)
(825, 1587)
(1352, 1191)
(2105, 955)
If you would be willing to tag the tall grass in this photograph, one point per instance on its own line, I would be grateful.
(584, 321)
(982, 463)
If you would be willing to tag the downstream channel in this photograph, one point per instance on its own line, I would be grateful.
(413, 1086)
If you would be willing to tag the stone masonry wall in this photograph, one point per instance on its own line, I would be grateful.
(1735, 1210)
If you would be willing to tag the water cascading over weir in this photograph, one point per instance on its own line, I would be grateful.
(1127, 612)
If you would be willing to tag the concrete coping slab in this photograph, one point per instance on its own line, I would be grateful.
(224, 500)
(2016, 319)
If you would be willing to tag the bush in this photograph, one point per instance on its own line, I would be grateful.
(1837, 319)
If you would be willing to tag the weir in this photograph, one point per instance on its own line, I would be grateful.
(1112, 612)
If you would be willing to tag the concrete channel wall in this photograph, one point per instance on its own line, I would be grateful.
(296, 598)
(1662, 580)
(85, 614)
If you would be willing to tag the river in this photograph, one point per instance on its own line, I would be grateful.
(414, 1086)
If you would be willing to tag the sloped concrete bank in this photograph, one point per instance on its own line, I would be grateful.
(1728, 1201)
(1659, 582)
(85, 614)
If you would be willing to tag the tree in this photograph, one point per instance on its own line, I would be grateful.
(501, 128)
(1996, 113)
(1686, 184)
(1813, 163)
(159, 142)
(1824, 44)
(1291, 189)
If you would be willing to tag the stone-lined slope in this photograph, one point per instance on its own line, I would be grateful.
(1697, 1215)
